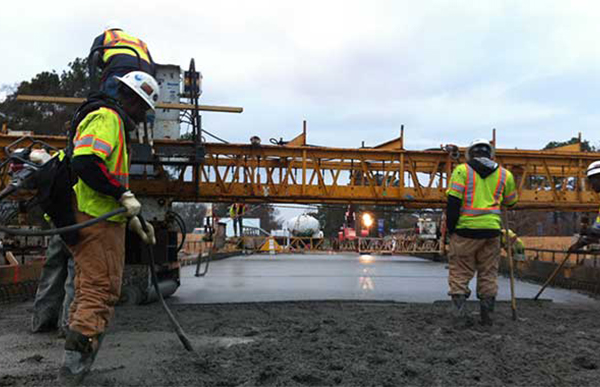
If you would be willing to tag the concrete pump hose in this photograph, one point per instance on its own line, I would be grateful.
(54, 231)
(178, 330)
(176, 326)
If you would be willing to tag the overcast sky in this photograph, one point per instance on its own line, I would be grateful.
(355, 70)
(450, 71)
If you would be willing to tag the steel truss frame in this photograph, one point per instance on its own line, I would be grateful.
(551, 180)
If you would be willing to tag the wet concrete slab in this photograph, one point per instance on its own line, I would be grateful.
(295, 277)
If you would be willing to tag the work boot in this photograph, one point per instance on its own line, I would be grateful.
(44, 321)
(62, 332)
(100, 339)
(80, 353)
(486, 305)
(460, 312)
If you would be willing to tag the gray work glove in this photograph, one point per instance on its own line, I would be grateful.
(147, 236)
(132, 205)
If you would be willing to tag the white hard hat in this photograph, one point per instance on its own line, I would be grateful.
(144, 85)
(593, 169)
(480, 141)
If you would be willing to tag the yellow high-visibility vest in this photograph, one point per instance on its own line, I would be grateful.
(102, 133)
(481, 198)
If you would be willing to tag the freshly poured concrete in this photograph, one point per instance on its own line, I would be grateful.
(288, 277)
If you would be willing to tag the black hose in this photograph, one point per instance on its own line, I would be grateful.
(6, 192)
(179, 220)
(54, 231)
(8, 212)
(178, 330)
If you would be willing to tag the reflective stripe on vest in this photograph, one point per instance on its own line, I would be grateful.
(470, 189)
(480, 211)
(511, 197)
(500, 184)
(84, 141)
(119, 171)
(458, 188)
(468, 209)
(102, 146)
(116, 38)
(119, 167)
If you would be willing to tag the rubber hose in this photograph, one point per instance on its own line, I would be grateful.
(54, 231)
(181, 223)
(178, 330)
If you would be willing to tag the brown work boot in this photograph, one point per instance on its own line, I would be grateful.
(486, 305)
(460, 312)
(80, 353)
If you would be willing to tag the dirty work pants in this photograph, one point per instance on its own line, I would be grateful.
(99, 258)
(237, 225)
(467, 256)
(56, 289)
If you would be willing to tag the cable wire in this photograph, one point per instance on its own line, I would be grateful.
(181, 223)
(215, 137)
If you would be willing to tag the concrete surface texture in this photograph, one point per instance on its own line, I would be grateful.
(289, 277)
(362, 342)
(321, 343)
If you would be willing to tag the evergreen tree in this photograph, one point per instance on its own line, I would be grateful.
(46, 118)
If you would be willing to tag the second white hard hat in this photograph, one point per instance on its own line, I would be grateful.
(593, 169)
(144, 85)
(480, 141)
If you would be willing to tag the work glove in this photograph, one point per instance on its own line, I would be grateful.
(148, 237)
(132, 205)
(39, 156)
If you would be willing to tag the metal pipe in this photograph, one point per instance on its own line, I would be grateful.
(507, 238)
(552, 276)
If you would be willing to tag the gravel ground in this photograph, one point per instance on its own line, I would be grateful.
(321, 344)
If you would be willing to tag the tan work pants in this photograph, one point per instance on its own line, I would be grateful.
(466, 256)
(99, 259)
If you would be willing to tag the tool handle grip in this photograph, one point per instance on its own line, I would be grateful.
(143, 222)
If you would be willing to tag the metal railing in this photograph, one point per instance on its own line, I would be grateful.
(556, 256)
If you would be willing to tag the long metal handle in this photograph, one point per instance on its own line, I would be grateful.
(552, 276)
(513, 299)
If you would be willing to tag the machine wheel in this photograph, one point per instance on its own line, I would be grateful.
(131, 295)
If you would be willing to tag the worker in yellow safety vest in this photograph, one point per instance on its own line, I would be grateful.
(119, 60)
(476, 192)
(101, 163)
(589, 235)
(236, 213)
